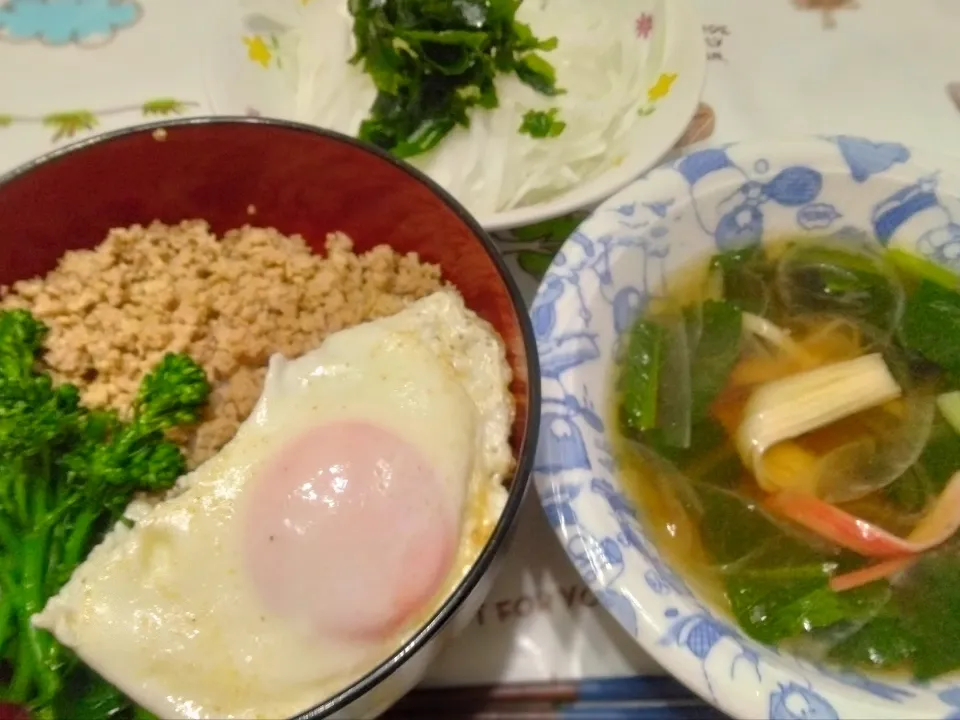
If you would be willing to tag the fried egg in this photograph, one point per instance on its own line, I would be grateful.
(345, 509)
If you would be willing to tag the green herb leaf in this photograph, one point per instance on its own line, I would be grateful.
(929, 602)
(731, 526)
(776, 584)
(424, 138)
(919, 625)
(434, 60)
(882, 643)
(931, 325)
(538, 74)
(743, 278)
(775, 606)
(710, 455)
(525, 40)
(542, 123)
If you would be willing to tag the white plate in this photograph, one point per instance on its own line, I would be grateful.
(670, 47)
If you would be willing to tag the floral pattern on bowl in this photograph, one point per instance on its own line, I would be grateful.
(621, 256)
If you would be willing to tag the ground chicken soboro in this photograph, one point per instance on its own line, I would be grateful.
(230, 303)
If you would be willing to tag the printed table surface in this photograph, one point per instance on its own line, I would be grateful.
(882, 69)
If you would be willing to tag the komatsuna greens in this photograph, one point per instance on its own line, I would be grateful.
(434, 60)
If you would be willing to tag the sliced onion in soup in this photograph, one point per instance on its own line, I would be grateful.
(856, 469)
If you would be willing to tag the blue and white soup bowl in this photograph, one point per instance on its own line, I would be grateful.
(706, 202)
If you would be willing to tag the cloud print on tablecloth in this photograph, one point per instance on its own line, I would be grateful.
(85, 23)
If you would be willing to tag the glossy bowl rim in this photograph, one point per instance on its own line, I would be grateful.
(922, 162)
(528, 443)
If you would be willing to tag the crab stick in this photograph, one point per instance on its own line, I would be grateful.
(867, 539)
(871, 573)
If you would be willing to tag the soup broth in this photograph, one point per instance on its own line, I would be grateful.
(790, 428)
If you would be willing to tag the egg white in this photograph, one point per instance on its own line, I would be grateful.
(166, 610)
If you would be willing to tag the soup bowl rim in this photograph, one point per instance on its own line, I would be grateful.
(574, 472)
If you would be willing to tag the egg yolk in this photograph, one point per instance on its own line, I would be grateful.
(348, 527)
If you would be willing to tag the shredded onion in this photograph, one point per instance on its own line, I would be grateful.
(489, 166)
(773, 334)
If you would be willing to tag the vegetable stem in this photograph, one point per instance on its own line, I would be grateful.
(77, 541)
(640, 377)
(8, 536)
(35, 551)
(6, 620)
(20, 498)
(916, 266)
(23, 673)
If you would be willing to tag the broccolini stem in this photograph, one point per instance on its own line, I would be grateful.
(6, 496)
(8, 601)
(41, 643)
(8, 537)
(51, 579)
(46, 653)
(23, 671)
(76, 545)
(6, 620)
(42, 489)
(20, 498)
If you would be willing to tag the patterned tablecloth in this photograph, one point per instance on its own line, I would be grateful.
(884, 69)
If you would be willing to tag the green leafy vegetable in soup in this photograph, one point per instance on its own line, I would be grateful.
(432, 61)
(67, 473)
(797, 452)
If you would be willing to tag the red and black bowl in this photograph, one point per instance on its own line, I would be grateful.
(301, 180)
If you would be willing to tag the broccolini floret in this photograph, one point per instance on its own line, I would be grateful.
(173, 393)
(66, 475)
(21, 338)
